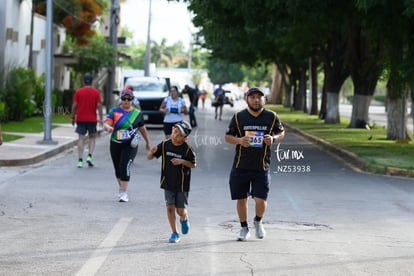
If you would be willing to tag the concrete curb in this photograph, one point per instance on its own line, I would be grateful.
(349, 158)
(64, 143)
(38, 157)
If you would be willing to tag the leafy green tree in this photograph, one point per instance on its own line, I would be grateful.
(393, 22)
(322, 31)
(199, 57)
(223, 72)
(285, 33)
(91, 58)
(136, 54)
(257, 75)
(163, 55)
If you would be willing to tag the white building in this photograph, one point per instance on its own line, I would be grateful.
(15, 39)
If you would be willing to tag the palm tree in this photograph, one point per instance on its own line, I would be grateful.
(161, 54)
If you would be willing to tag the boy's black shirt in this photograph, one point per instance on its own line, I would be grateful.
(175, 178)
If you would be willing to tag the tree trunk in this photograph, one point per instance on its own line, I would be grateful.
(302, 90)
(285, 84)
(275, 96)
(336, 72)
(412, 102)
(365, 55)
(314, 86)
(297, 94)
(396, 108)
(289, 88)
(288, 98)
(322, 110)
(360, 108)
(332, 108)
(395, 123)
(335, 77)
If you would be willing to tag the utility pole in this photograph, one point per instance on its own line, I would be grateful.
(114, 42)
(190, 55)
(147, 60)
(47, 125)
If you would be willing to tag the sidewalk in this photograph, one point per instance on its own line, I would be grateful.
(32, 148)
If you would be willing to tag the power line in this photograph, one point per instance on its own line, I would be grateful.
(71, 14)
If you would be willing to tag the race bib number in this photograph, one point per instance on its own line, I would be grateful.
(122, 135)
(255, 138)
(174, 109)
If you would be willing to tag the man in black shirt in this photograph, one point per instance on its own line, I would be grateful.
(193, 97)
(252, 130)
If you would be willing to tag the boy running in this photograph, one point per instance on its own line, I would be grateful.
(177, 160)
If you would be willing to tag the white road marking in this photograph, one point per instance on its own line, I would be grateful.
(101, 253)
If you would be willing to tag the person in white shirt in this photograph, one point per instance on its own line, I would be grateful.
(173, 107)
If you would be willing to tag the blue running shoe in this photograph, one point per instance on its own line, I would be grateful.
(175, 237)
(185, 226)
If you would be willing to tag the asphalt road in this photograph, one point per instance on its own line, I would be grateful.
(323, 218)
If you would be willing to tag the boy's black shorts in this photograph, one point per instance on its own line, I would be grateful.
(179, 199)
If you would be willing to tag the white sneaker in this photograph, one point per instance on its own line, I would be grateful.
(244, 234)
(123, 197)
(260, 232)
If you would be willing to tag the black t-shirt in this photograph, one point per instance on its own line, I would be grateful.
(257, 156)
(192, 95)
(175, 178)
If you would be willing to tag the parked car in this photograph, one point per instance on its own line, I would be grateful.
(150, 91)
(230, 98)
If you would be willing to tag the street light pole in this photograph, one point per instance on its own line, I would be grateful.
(47, 126)
(147, 60)
(114, 42)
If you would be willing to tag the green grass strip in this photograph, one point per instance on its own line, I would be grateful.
(381, 155)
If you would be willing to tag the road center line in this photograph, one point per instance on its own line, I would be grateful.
(101, 253)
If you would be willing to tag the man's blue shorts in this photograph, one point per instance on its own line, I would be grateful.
(245, 182)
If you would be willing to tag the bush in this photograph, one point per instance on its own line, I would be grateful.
(39, 94)
(67, 99)
(2, 111)
(381, 98)
(20, 87)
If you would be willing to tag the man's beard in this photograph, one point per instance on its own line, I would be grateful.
(255, 109)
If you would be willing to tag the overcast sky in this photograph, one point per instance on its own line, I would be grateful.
(169, 20)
